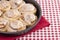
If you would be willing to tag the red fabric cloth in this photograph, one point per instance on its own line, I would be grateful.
(43, 23)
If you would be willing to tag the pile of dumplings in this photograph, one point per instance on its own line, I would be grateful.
(16, 15)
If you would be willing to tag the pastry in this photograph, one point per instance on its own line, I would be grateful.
(16, 25)
(27, 8)
(9, 29)
(16, 3)
(29, 18)
(3, 23)
(4, 5)
(12, 14)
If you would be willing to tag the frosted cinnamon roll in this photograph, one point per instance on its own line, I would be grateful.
(16, 3)
(12, 14)
(4, 5)
(9, 29)
(28, 8)
(3, 23)
(29, 18)
(15, 25)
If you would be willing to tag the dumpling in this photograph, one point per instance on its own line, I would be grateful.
(16, 3)
(3, 23)
(12, 14)
(4, 5)
(27, 8)
(29, 18)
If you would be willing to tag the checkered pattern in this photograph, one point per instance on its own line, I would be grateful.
(51, 11)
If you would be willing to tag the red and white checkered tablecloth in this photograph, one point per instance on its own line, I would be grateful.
(51, 11)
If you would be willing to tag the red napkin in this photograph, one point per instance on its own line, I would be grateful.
(43, 23)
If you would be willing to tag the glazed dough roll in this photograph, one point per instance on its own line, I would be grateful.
(4, 5)
(27, 8)
(9, 29)
(16, 3)
(29, 18)
(15, 26)
(3, 23)
(12, 14)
